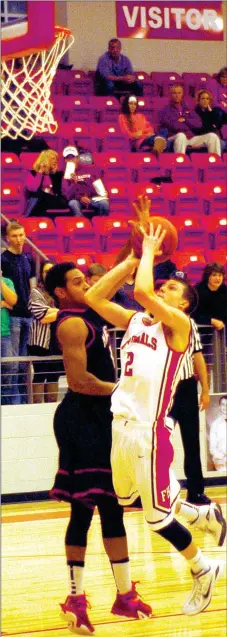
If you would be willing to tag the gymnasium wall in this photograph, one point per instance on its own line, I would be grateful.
(30, 453)
(93, 24)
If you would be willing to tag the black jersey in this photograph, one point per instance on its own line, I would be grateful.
(99, 356)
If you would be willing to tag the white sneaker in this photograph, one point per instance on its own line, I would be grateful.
(202, 590)
(210, 519)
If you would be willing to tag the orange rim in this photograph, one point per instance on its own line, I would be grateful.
(58, 31)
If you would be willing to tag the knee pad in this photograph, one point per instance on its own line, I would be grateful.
(176, 534)
(111, 517)
(80, 520)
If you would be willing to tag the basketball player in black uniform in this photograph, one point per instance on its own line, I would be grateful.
(82, 426)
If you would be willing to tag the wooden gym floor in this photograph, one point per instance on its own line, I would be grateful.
(34, 577)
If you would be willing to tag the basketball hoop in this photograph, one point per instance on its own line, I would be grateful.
(26, 81)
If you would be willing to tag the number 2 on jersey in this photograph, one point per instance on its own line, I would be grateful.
(128, 365)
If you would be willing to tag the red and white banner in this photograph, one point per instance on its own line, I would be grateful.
(170, 20)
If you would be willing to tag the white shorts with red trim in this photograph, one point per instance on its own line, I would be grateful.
(141, 459)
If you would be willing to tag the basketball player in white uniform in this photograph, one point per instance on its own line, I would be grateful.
(152, 354)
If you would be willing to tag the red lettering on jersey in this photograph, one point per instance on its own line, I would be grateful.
(154, 343)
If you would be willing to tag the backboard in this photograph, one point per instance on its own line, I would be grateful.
(26, 26)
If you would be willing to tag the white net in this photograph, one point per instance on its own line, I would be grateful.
(25, 92)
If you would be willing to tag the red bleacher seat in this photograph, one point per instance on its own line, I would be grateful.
(72, 82)
(109, 137)
(196, 81)
(82, 261)
(106, 108)
(12, 168)
(213, 194)
(208, 166)
(154, 192)
(76, 133)
(217, 228)
(76, 233)
(107, 259)
(113, 232)
(192, 233)
(182, 198)
(28, 159)
(45, 235)
(177, 166)
(73, 108)
(149, 87)
(11, 196)
(118, 196)
(193, 263)
(148, 167)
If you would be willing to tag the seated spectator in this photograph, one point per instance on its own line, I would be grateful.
(43, 185)
(8, 300)
(218, 438)
(42, 341)
(136, 127)
(218, 88)
(94, 273)
(115, 73)
(20, 268)
(183, 125)
(212, 303)
(80, 188)
(213, 117)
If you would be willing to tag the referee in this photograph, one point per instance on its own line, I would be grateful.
(185, 411)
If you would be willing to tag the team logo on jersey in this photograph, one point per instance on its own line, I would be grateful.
(147, 321)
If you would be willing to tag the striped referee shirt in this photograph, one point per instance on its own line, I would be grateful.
(194, 346)
(39, 334)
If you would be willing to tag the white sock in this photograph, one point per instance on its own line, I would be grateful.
(76, 577)
(190, 512)
(122, 575)
(198, 563)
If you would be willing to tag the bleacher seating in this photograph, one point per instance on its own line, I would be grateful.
(196, 200)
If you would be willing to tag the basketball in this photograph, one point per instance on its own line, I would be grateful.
(169, 244)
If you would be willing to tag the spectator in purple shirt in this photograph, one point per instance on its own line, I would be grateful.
(115, 73)
(218, 88)
(80, 187)
(184, 125)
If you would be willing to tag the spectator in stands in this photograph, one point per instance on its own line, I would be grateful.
(115, 73)
(213, 117)
(183, 125)
(81, 189)
(42, 340)
(217, 437)
(95, 272)
(20, 268)
(43, 185)
(137, 129)
(218, 88)
(8, 300)
(212, 293)
(212, 304)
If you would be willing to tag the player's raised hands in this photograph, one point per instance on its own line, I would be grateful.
(142, 210)
(153, 238)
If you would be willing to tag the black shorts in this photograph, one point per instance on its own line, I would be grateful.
(45, 371)
(82, 426)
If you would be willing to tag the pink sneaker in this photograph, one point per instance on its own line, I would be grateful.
(74, 611)
(130, 605)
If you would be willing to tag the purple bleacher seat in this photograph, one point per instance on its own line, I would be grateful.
(73, 108)
(196, 81)
(106, 108)
(149, 87)
(78, 134)
(164, 77)
(109, 137)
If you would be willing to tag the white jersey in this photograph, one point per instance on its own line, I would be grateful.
(150, 372)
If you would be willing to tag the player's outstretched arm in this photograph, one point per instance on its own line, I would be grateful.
(72, 334)
(144, 284)
(97, 296)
